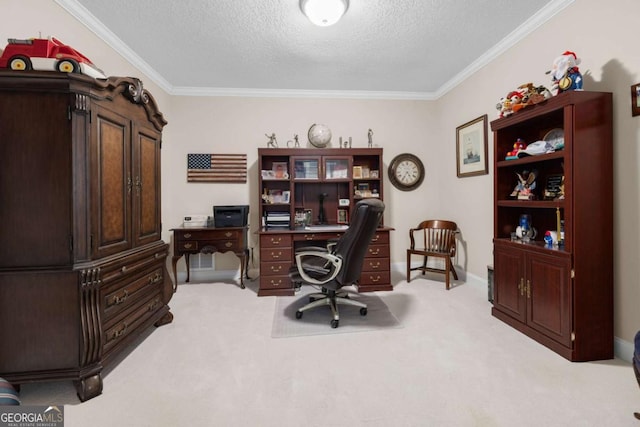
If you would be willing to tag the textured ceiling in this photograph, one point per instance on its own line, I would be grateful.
(413, 47)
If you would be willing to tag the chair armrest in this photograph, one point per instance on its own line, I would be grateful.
(314, 249)
(336, 263)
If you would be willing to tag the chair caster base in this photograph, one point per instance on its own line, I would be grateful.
(298, 314)
(363, 311)
(334, 323)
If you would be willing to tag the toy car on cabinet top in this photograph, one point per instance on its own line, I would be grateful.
(47, 54)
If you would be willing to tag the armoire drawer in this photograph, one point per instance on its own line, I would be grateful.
(122, 294)
(137, 315)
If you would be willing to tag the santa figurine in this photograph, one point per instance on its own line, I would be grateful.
(565, 74)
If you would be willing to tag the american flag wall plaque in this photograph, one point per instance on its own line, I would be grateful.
(216, 168)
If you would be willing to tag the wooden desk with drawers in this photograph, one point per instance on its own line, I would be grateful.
(208, 240)
(277, 255)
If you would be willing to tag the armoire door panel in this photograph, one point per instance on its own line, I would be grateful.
(113, 186)
(146, 195)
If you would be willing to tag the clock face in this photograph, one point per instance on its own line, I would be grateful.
(406, 172)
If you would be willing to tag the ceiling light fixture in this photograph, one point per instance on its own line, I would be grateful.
(324, 12)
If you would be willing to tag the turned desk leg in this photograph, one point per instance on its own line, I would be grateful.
(174, 261)
(244, 266)
(186, 259)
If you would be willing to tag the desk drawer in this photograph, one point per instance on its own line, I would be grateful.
(374, 278)
(275, 240)
(276, 254)
(219, 246)
(381, 237)
(378, 251)
(275, 268)
(214, 234)
(275, 282)
(188, 246)
(376, 264)
(311, 237)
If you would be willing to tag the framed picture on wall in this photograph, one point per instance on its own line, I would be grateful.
(472, 148)
(635, 99)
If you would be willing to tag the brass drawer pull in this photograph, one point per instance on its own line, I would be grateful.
(154, 305)
(274, 255)
(228, 234)
(120, 332)
(276, 242)
(376, 280)
(376, 266)
(188, 245)
(120, 299)
(187, 235)
(228, 244)
(276, 269)
(376, 252)
(154, 279)
(274, 283)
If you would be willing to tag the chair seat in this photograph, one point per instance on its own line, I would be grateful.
(424, 251)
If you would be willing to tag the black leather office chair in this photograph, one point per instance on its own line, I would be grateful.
(341, 263)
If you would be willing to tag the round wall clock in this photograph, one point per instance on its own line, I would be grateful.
(406, 172)
(319, 135)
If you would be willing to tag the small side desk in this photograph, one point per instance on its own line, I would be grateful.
(208, 240)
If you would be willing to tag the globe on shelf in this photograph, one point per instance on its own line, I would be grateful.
(319, 135)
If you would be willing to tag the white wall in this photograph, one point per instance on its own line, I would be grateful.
(239, 125)
(601, 33)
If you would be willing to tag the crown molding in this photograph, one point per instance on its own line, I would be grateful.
(79, 12)
(529, 26)
(294, 93)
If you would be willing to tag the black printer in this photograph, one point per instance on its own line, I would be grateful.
(231, 216)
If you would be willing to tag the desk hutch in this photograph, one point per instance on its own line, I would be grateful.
(561, 296)
(306, 196)
(82, 263)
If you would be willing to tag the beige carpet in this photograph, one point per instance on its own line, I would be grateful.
(317, 321)
(451, 364)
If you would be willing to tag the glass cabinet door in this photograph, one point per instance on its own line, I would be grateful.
(306, 168)
(337, 168)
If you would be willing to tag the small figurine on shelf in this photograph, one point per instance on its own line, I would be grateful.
(525, 186)
(272, 143)
(517, 146)
(291, 143)
(565, 73)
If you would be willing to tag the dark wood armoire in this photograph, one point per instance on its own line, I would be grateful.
(82, 263)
